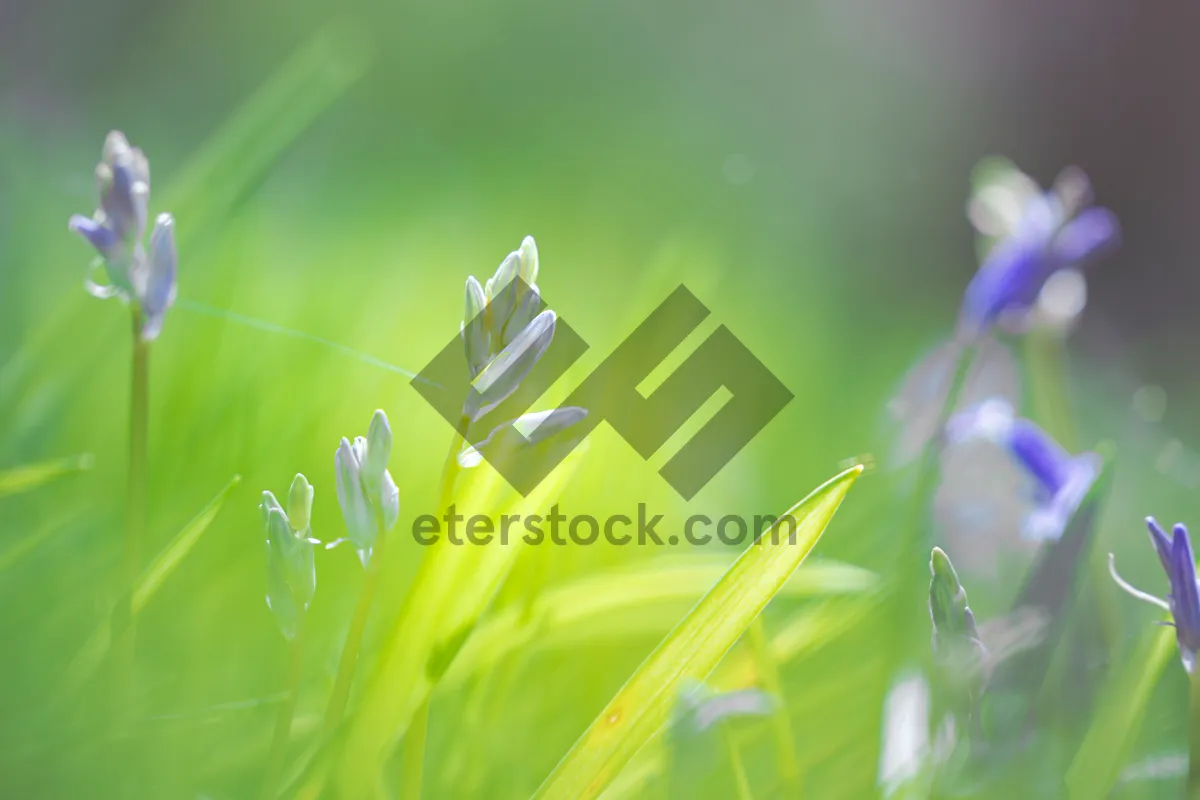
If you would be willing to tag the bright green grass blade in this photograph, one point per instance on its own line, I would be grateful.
(453, 587)
(1118, 720)
(806, 632)
(620, 603)
(170, 556)
(31, 476)
(692, 650)
(92, 654)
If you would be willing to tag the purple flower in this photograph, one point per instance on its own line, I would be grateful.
(1178, 561)
(117, 230)
(1062, 480)
(1036, 234)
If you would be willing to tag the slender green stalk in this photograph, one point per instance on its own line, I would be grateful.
(1046, 368)
(412, 749)
(785, 740)
(358, 623)
(739, 767)
(915, 542)
(135, 506)
(287, 710)
(928, 470)
(1193, 778)
(412, 754)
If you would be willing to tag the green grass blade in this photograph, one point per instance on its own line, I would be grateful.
(692, 650)
(646, 599)
(94, 650)
(30, 476)
(1118, 720)
(170, 556)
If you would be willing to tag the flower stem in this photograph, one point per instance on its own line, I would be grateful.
(1193, 778)
(412, 749)
(1046, 366)
(768, 671)
(914, 543)
(283, 722)
(135, 506)
(412, 754)
(738, 766)
(358, 624)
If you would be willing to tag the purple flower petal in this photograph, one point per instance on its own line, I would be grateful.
(1093, 233)
(103, 239)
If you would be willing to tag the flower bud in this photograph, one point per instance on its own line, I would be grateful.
(356, 510)
(160, 287)
(504, 374)
(378, 450)
(528, 254)
(474, 327)
(501, 293)
(291, 568)
(300, 499)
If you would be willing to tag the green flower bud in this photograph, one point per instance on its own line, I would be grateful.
(300, 499)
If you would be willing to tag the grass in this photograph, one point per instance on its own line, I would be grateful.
(315, 281)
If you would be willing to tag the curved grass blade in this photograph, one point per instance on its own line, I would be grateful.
(1118, 721)
(693, 649)
(94, 650)
(645, 599)
(30, 476)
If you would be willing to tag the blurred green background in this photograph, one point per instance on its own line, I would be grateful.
(801, 167)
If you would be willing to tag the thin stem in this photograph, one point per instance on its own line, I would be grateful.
(1131, 590)
(928, 470)
(913, 553)
(135, 506)
(412, 749)
(283, 722)
(1046, 366)
(358, 623)
(739, 768)
(785, 740)
(1193, 778)
(412, 754)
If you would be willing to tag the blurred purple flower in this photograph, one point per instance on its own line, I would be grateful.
(1179, 562)
(1034, 235)
(1062, 480)
(116, 230)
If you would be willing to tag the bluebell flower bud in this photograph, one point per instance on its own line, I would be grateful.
(291, 568)
(501, 291)
(116, 230)
(300, 500)
(160, 289)
(1063, 480)
(1037, 234)
(961, 654)
(528, 255)
(377, 452)
(352, 497)
(504, 374)
(367, 494)
(527, 430)
(474, 328)
(528, 303)
(1183, 601)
